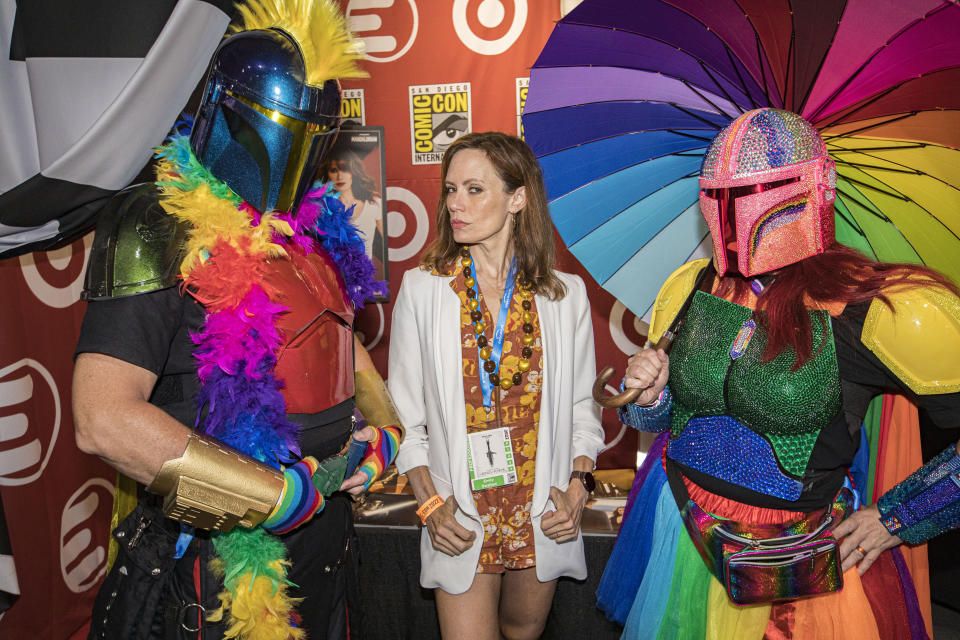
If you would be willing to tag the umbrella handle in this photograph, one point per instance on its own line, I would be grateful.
(624, 397)
(607, 401)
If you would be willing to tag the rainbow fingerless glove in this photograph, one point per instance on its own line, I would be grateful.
(927, 503)
(299, 500)
(380, 453)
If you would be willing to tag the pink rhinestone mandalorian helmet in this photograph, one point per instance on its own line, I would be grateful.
(767, 188)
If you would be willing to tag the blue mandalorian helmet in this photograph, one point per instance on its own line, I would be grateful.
(261, 128)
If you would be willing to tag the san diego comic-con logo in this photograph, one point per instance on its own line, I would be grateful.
(439, 114)
(30, 415)
(489, 27)
(522, 85)
(388, 28)
(83, 554)
(353, 108)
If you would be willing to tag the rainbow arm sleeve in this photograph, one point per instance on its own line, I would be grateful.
(380, 453)
(299, 501)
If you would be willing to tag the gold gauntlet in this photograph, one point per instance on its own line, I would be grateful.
(374, 401)
(212, 486)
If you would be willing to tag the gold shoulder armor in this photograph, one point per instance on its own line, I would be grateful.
(672, 295)
(137, 248)
(919, 340)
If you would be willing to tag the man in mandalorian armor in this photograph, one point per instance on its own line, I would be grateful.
(217, 369)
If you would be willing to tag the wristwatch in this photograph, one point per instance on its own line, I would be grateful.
(586, 478)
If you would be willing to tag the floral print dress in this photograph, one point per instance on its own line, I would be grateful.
(504, 511)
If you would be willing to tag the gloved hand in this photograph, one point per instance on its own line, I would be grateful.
(381, 451)
(299, 500)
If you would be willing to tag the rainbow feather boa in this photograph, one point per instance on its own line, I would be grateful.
(236, 351)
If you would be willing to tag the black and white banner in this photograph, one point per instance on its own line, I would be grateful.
(87, 89)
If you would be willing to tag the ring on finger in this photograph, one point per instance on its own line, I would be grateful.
(862, 551)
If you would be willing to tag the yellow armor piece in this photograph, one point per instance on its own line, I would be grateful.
(374, 401)
(672, 295)
(919, 340)
(124, 502)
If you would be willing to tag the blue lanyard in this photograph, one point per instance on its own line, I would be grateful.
(496, 349)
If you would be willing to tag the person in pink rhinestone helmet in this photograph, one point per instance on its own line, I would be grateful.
(767, 192)
(749, 501)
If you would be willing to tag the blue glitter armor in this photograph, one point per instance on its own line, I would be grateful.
(652, 419)
(927, 503)
(726, 449)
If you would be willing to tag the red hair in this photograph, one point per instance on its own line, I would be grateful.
(839, 274)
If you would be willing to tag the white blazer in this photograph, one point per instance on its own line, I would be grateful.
(426, 382)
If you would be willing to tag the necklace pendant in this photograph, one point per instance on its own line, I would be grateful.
(743, 338)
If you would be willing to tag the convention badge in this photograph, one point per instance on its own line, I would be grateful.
(490, 459)
(329, 474)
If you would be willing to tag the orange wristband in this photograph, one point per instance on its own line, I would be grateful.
(432, 504)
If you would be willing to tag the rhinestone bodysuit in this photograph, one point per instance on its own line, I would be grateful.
(741, 419)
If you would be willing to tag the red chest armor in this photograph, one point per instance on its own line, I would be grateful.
(315, 362)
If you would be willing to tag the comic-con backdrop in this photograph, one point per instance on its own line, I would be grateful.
(85, 92)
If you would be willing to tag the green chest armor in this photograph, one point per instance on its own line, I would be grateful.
(731, 400)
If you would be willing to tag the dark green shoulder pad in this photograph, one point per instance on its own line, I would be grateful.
(137, 248)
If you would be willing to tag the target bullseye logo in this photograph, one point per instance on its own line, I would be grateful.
(370, 326)
(628, 331)
(56, 277)
(29, 421)
(489, 27)
(388, 28)
(83, 555)
(408, 225)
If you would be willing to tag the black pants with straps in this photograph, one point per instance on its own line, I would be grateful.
(149, 594)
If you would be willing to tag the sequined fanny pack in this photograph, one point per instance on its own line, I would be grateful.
(757, 569)
(767, 563)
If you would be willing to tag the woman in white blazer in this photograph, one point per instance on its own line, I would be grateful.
(495, 572)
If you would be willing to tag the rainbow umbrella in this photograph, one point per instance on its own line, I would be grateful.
(626, 96)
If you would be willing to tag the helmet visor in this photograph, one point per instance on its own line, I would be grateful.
(267, 157)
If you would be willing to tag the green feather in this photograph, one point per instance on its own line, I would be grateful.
(251, 551)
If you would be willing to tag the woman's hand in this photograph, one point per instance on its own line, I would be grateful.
(447, 535)
(564, 523)
(647, 369)
(864, 538)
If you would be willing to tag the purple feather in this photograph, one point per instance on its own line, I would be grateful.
(343, 242)
(249, 414)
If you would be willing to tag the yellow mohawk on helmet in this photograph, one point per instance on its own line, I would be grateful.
(329, 49)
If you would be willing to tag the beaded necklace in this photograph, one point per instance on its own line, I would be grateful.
(490, 354)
